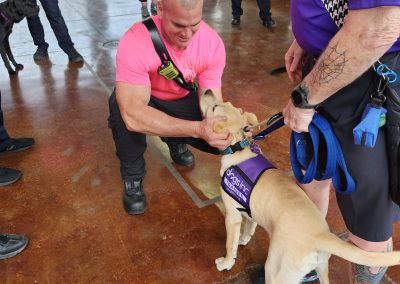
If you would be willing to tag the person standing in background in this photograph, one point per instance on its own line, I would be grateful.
(59, 28)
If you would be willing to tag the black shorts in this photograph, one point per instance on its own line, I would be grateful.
(369, 212)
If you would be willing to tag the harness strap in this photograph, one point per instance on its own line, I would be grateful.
(164, 55)
(335, 165)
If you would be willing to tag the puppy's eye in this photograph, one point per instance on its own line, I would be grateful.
(246, 128)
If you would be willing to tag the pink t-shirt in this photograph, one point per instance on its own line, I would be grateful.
(137, 61)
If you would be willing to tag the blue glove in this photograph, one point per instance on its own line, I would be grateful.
(366, 132)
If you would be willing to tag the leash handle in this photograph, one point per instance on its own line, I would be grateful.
(335, 166)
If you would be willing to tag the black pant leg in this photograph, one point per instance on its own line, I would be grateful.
(265, 9)
(4, 137)
(130, 146)
(237, 10)
(187, 108)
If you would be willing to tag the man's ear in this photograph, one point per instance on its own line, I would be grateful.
(250, 119)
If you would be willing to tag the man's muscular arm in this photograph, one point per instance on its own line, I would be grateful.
(139, 117)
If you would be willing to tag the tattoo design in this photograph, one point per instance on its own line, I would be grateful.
(330, 66)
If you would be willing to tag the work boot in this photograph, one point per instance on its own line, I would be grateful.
(11, 245)
(74, 56)
(153, 9)
(40, 54)
(145, 12)
(134, 199)
(180, 154)
(9, 176)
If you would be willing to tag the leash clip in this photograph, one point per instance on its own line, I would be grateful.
(274, 122)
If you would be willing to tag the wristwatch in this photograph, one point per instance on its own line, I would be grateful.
(299, 98)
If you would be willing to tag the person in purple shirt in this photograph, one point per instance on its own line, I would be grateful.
(336, 44)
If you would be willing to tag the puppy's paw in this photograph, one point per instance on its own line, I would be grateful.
(223, 263)
(19, 67)
(244, 240)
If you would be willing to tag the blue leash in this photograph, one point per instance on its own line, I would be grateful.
(275, 122)
(335, 166)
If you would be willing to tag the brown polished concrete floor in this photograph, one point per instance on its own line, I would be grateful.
(69, 200)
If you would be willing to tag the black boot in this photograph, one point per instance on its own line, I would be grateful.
(180, 154)
(134, 199)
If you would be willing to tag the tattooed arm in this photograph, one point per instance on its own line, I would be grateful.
(366, 35)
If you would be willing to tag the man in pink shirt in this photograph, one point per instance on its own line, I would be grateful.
(145, 102)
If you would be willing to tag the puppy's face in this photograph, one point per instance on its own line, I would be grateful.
(23, 8)
(236, 121)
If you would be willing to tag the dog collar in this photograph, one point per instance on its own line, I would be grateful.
(7, 20)
(235, 147)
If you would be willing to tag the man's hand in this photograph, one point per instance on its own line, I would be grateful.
(294, 61)
(297, 119)
(207, 133)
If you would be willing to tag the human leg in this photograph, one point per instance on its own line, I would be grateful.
(144, 10)
(186, 108)
(318, 192)
(37, 32)
(369, 211)
(265, 13)
(60, 29)
(130, 147)
(237, 11)
(153, 7)
(8, 144)
(364, 274)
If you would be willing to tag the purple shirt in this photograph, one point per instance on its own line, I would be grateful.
(313, 26)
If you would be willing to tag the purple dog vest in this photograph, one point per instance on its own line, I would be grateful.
(238, 181)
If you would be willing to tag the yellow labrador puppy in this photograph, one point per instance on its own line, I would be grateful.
(300, 240)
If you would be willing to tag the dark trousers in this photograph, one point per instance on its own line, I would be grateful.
(369, 211)
(57, 24)
(263, 5)
(131, 145)
(4, 137)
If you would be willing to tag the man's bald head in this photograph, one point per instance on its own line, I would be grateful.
(186, 4)
(180, 20)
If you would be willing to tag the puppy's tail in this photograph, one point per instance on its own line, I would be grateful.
(334, 245)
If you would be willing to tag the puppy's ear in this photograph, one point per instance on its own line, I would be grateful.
(250, 119)
(209, 92)
(207, 100)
